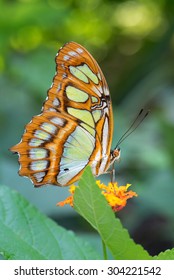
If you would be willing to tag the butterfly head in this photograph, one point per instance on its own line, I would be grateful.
(115, 154)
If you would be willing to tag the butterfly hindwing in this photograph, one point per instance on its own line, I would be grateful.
(75, 126)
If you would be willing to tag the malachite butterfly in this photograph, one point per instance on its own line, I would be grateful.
(75, 126)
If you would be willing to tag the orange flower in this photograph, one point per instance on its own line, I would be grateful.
(116, 196)
(69, 199)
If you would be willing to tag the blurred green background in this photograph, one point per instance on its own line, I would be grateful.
(133, 41)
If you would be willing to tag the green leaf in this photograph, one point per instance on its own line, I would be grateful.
(25, 233)
(91, 204)
(167, 255)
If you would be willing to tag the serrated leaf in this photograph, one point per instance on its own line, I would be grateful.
(25, 233)
(167, 255)
(91, 204)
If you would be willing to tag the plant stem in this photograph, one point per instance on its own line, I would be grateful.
(105, 257)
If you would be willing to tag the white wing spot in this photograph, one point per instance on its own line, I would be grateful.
(56, 102)
(72, 53)
(66, 57)
(64, 76)
(42, 135)
(95, 89)
(99, 76)
(79, 50)
(106, 91)
(48, 127)
(38, 165)
(58, 121)
(38, 153)
(100, 89)
(52, 110)
(39, 176)
(59, 87)
(35, 142)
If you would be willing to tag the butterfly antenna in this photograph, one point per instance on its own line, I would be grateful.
(131, 129)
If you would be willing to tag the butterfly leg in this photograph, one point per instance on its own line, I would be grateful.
(112, 172)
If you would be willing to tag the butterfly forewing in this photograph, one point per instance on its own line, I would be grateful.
(75, 126)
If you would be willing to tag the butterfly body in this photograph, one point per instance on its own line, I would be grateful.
(75, 126)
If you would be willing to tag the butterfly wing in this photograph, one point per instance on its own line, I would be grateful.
(75, 126)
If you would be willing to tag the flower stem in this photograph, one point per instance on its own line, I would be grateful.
(105, 257)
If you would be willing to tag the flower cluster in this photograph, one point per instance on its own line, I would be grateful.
(115, 195)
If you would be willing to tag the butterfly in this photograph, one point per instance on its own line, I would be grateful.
(75, 127)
